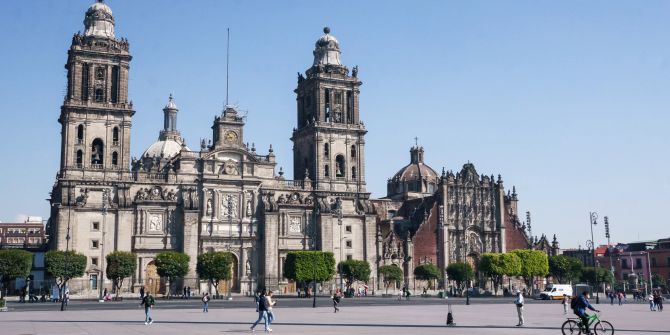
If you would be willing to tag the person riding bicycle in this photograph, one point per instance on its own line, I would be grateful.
(581, 304)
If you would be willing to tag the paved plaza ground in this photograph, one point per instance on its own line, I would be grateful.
(391, 318)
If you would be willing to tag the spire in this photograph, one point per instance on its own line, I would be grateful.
(99, 21)
(170, 121)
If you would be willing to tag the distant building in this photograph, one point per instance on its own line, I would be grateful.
(633, 262)
(30, 236)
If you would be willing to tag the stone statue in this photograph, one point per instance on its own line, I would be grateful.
(247, 267)
(354, 71)
(208, 211)
(249, 209)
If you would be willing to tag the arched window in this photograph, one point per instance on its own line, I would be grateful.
(326, 171)
(326, 149)
(99, 95)
(97, 152)
(115, 158)
(353, 152)
(80, 158)
(340, 166)
(353, 172)
(115, 135)
(80, 134)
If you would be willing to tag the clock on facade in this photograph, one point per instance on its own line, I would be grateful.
(231, 137)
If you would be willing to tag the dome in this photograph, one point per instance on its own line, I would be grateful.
(415, 177)
(327, 50)
(99, 21)
(170, 104)
(164, 148)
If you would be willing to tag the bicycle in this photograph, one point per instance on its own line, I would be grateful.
(573, 326)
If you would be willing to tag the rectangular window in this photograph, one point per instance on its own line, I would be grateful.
(349, 244)
(667, 261)
(653, 261)
(115, 84)
(347, 229)
(338, 98)
(624, 263)
(95, 226)
(94, 261)
(95, 244)
(350, 257)
(84, 81)
(638, 263)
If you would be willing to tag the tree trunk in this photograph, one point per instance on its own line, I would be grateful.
(118, 285)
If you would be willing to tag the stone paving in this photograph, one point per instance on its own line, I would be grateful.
(400, 319)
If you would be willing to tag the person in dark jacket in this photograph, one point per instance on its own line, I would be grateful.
(580, 310)
(262, 310)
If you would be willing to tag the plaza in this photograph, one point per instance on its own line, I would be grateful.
(357, 316)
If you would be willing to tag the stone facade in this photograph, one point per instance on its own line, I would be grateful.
(226, 196)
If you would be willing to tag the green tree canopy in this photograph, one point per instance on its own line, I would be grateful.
(120, 265)
(596, 276)
(658, 281)
(64, 265)
(14, 263)
(497, 265)
(355, 270)
(534, 263)
(304, 266)
(428, 272)
(564, 268)
(215, 266)
(392, 275)
(171, 264)
(460, 272)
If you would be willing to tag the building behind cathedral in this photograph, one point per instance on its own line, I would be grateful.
(228, 196)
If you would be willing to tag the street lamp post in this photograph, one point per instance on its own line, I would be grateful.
(609, 246)
(105, 206)
(339, 223)
(230, 241)
(593, 220)
(315, 214)
(651, 281)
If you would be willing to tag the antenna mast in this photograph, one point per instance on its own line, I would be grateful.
(227, 61)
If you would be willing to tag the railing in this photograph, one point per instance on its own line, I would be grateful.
(115, 143)
(262, 158)
(294, 183)
(97, 166)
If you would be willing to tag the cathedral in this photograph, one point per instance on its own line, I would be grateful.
(228, 196)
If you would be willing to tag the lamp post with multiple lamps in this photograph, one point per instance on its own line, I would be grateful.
(315, 214)
(339, 223)
(609, 245)
(593, 220)
(105, 207)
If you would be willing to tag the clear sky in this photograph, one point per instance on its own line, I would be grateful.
(567, 100)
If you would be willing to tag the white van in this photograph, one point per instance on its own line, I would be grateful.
(556, 292)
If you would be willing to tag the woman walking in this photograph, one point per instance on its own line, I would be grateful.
(268, 305)
(262, 312)
(336, 300)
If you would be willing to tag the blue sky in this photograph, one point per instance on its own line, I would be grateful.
(568, 100)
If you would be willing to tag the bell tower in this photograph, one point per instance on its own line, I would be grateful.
(328, 143)
(96, 114)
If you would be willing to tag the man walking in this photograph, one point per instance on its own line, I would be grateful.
(142, 292)
(262, 312)
(336, 300)
(148, 303)
(566, 302)
(519, 307)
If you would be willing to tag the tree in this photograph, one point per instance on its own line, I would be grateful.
(597, 276)
(565, 269)
(534, 263)
(215, 266)
(496, 266)
(171, 265)
(658, 281)
(64, 265)
(14, 263)
(428, 272)
(120, 265)
(304, 266)
(460, 272)
(355, 270)
(392, 275)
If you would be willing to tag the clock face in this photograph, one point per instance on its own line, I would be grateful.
(231, 137)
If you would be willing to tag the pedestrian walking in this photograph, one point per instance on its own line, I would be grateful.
(611, 296)
(262, 312)
(336, 300)
(148, 303)
(205, 302)
(566, 302)
(658, 301)
(620, 297)
(142, 293)
(519, 307)
(269, 303)
(188, 292)
(652, 307)
(183, 296)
